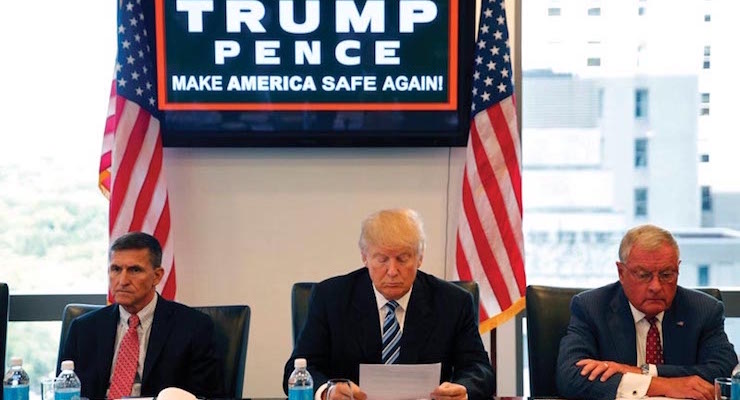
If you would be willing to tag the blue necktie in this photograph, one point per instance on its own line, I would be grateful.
(391, 334)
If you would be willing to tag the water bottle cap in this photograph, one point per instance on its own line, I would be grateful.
(299, 363)
(16, 361)
(68, 365)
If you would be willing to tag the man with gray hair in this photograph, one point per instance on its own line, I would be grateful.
(644, 335)
(142, 343)
(390, 312)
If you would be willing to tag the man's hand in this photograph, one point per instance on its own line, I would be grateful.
(685, 387)
(605, 369)
(342, 392)
(449, 391)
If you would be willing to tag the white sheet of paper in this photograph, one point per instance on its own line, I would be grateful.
(399, 381)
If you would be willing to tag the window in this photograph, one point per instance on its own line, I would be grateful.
(641, 11)
(641, 202)
(702, 272)
(593, 61)
(705, 158)
(594, 11)
(601, 186)
(705, 65)
(705, 97)
(641, 155)
(706, 198)
(54, 222)
(707, 18)
(641, 103)
(553, 11)
(704, 111)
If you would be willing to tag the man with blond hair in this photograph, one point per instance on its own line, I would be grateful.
(390, 312)
(644, 335)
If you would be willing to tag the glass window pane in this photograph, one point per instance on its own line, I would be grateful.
(38, 344)
(607, 148)
(53, 221)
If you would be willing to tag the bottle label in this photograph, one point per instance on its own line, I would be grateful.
(67, 394)
(15, 392)
(735, 388)
(300, 393)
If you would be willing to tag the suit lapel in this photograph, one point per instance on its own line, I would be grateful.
(161, 327)
(622, 328)
(673, 326)
(365, 319)
(107, 345)
(418, 323)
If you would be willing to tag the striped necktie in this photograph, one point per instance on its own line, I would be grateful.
(391, 334)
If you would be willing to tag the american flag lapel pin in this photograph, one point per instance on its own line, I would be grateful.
(679, 323)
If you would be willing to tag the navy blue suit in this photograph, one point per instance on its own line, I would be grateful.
(343, 330)
(180, 352)
(602, 328)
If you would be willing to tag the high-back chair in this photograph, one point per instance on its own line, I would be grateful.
(301, 294)
(4, 303)
(548, 315)
(71, 311)
(231, 331)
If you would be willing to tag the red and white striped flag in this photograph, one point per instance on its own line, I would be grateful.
(490, 244)
(131, 174)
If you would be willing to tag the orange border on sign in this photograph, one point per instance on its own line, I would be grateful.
(451, 103)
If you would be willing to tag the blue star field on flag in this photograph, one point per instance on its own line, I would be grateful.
(135, 72)
(492, 76)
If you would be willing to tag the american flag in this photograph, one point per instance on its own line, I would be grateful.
(131, 174)
(490, 244)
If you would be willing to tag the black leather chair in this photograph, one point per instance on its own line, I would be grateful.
(301, 294)
(231, 325)
(4, 303)
(231, 329)
(548, 315)
(71, 311)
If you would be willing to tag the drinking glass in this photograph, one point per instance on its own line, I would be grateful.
(47, 388)
(723, 389)
(338, 389)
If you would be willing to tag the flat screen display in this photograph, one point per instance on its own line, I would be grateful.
(314, 72)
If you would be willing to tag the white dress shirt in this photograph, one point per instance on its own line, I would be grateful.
(381, 301)
(634, 386)
(146, 318)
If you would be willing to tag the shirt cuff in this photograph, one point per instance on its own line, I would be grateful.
(633, 386)
(653, 370)
(319, 392)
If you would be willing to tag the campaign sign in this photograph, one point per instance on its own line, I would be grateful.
(307, 54)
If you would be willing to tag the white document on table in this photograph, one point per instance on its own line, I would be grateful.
(399, 381)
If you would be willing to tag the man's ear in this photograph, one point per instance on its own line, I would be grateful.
(158, 274)
(620, 270)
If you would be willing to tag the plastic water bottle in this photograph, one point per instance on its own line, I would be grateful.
(67, 386)
(736, 382)
(15, 383)
(300, 383)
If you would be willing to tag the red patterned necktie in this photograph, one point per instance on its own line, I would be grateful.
(127, 362)
(653, 348)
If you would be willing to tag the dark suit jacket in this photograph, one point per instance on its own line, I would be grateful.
(343, 330)
(180, 352)
(602, 327)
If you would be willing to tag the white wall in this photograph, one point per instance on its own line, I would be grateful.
(248, 223)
